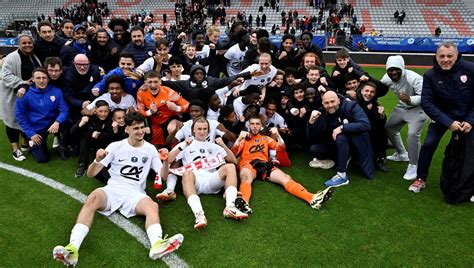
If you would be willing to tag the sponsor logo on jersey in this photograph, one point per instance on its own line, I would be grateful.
(257, 148)
(131, 172)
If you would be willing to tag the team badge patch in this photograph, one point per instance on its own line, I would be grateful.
(52, 98)
(150, 53)
(91, 79)
(202, 151)
(134, 159)
(134, 85)
(144, 159)
(463, 78)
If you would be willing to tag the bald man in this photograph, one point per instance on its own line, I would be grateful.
(78, 83)
(339, 127)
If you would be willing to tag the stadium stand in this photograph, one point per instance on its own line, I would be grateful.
(454, 17)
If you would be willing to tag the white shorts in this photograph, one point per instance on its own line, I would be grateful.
(123, 198)
(207, 182)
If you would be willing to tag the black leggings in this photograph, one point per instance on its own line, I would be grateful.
(13, 134)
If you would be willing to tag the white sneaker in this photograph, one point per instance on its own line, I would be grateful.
(18, 155)
(324, 163)
(472, 199)
(417, 186)
(234, 213)
(201, 221)
(55, 142)
(411, 173)
(398, 157)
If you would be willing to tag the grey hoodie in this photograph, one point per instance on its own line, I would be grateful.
(410, 82)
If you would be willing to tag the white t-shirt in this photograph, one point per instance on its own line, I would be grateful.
(239, 106)
(235, 57)
(185, 131)
(221, 93)
(126, 102)
(148, 64)
(200, 149)
(277, 120)
(130, 165)
(204, 53)
(258, 80)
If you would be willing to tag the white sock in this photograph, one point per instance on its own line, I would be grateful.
(195, 203)
(342, 174)
(230, 195)
(171, 182)
(154, 233)
(78, 233)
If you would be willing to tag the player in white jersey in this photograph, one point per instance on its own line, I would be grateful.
(200, 174)
(196, 110)
(264, 68)
(131, 160)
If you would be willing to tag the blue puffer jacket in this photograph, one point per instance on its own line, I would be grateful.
(140, 53)
(38, 109)
(131, 85)
(448, 95)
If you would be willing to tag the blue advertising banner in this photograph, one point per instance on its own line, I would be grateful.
(411, 44)
(8, 41)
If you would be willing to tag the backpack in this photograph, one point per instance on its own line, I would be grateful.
(457, 171)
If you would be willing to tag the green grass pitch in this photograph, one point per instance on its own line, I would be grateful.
(366, 223)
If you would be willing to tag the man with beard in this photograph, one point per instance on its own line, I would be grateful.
(48, 44)
(162, 105)
(139, 48)
(104, 52)
(121, 36)
(78, 82)
(253, 148)
(342, 123)
(79, 45)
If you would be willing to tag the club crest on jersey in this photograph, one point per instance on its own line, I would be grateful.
(52, 98)
(257, 141)
(134, 159)
(209, 151)
(262, 80)
(269, 79)
(202, 151)
(463, 78)
(144, 159)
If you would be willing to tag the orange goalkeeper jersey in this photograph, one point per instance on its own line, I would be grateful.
(145, 100)
(256, 147)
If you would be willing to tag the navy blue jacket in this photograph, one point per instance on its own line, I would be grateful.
(68, 53)
(349, 113)
(448, 95)
(43, 49)
(77, 88)
(140, 53)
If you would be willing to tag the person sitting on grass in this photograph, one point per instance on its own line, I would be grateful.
(254, 163)
(131, 160)
(199, 179)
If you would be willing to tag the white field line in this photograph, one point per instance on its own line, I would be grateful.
(172, 260)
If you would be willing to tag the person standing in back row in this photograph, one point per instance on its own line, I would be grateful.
(447, 98)
(407, 85)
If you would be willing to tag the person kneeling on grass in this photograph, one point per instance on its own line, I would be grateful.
(205, 171)
(131, 160)
(340, 127)
(254, 163)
